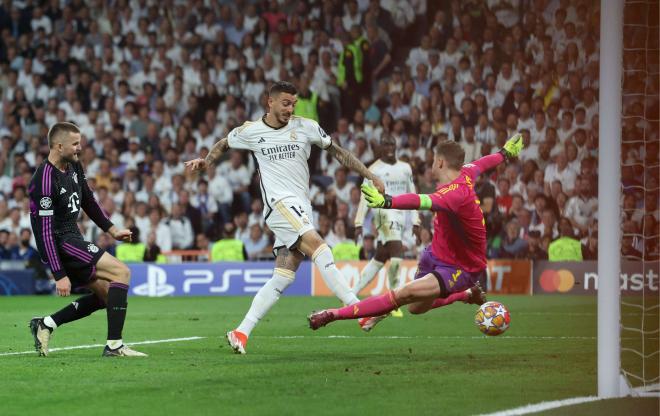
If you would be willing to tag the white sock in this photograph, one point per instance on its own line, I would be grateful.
(48, 321)
(113, 344)
(368, 274)
(266, 298)
(393, 272)
(332, 277)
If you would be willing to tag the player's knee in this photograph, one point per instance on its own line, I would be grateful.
(123, 274)
(416, 309)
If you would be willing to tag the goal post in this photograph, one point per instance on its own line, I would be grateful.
(609, 194)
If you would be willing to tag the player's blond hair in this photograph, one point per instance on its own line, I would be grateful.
(58, 130)
(452, 152)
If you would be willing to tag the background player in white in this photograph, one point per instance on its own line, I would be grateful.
(280, 144)
(398, 179)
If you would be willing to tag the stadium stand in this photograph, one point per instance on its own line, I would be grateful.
(152, 86)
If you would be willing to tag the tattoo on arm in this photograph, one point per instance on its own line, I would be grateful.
(347, 159)
(216, 151)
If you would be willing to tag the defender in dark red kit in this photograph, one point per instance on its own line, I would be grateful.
(58, 192)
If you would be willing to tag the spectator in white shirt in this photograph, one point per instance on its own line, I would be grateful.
(471, 147)
(162, 183)
(420, 54)
(450, 56)
(40, 20)
(132, 156)
(353, 17)
(239, 178)
(530, 149)
(581, 208)
(506, 79)
(566, 129)
(484, 133)
(256, 245)
(494, 97)
(342, 186)
(562, 172)
(162, 231)
(180, 228)
(537, 132)
(206, 204)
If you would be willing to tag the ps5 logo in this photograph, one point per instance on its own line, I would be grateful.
(156, 285)
(254, 279)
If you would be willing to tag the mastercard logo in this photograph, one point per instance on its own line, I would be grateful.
(561, 280)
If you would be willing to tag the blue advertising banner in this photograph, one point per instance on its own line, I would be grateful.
(16, 282)
(211, 279)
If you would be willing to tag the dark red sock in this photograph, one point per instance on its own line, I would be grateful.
(373, 306)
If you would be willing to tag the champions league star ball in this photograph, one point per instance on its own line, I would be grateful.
(492, 318)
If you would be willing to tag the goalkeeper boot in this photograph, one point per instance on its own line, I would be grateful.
(367, 324)
(318, 319)
(41, 334)
(122, 351)
(476, 295)
(237, 341)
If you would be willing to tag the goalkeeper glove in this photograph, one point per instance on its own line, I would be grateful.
(512, 147)
(374, 198)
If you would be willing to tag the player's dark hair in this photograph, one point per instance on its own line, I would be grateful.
(452, 152)
(59, 128)
(280, 87)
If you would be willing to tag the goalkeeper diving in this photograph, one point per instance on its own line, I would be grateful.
(449, 270)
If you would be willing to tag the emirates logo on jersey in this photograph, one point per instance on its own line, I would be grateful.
(280, 152)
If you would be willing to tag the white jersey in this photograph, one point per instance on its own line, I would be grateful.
(281, 155)
(398, 179)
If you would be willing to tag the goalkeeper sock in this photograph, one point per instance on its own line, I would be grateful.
(393, 272)
(373, 306)
(368, 274)
(116, 310)
(332, 277)
(454, 297)
(266, 298)
(77, 309)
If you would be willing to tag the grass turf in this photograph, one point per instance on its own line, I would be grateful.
(436, 363)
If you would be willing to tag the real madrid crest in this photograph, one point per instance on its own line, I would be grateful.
(293, 135)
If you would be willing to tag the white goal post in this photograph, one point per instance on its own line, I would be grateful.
(609, 194)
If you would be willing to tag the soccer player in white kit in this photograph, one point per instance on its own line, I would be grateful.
(280, 144)
(390, 223)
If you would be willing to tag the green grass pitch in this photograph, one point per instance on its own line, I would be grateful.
(433, 364)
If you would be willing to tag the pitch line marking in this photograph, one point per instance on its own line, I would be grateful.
(412, 337)
(539, 407)
(82, 347)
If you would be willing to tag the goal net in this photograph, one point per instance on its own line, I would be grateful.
(640, 168)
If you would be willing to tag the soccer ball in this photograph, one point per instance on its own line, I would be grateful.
(492, 318)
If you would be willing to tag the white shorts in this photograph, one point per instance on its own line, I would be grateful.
(289, 219)
(390, 224)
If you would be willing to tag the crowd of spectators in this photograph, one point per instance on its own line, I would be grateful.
(153, 84)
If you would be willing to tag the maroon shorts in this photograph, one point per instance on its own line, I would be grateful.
(451, 278)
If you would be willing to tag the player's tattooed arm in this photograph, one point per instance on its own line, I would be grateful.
(347, 159)
(217, 151)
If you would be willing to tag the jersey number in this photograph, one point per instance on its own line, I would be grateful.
(296, 211)
(74, 202)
